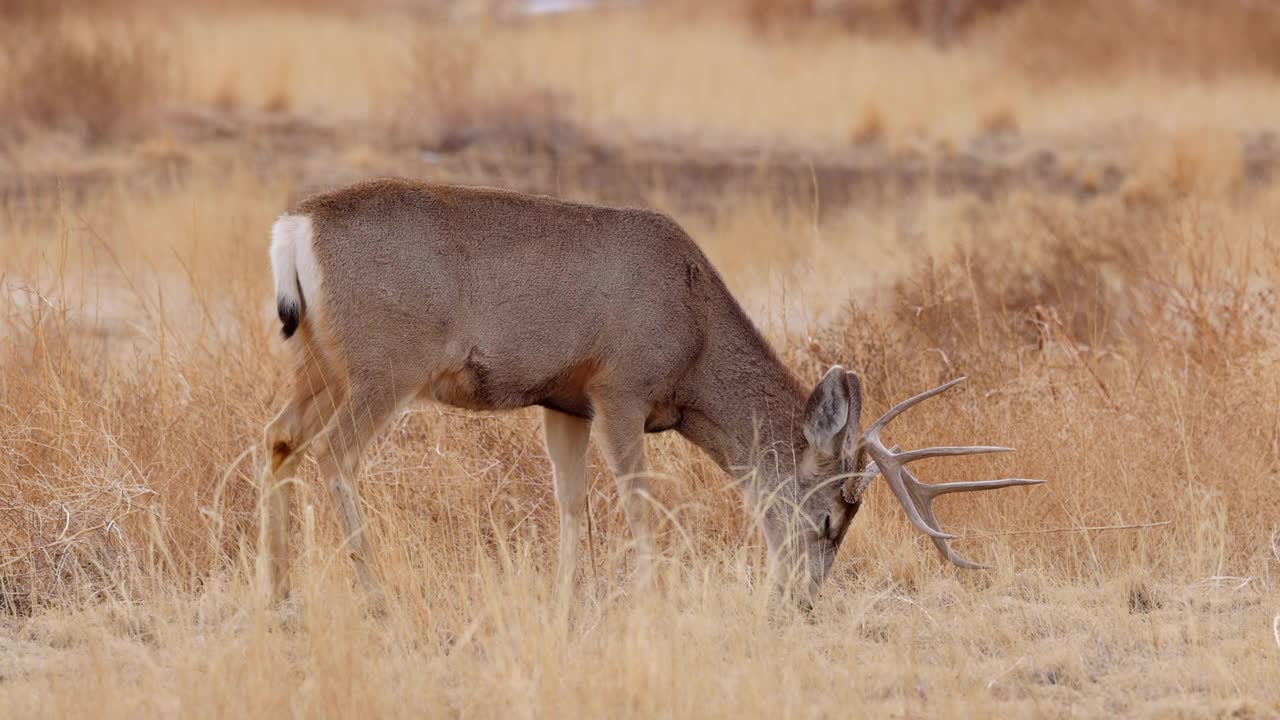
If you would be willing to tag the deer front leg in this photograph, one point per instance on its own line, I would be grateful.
(567, 437)
(622, 439)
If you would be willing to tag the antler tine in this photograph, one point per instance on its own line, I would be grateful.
(931, 490)
(924, 499)
(921, 454)
(891, 468)
(893, 412)
(923, 493)
(917, 497)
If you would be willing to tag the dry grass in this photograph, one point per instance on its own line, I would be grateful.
(1129, 355)
(1128, 347)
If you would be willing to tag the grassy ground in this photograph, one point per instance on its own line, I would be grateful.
(1127, 343)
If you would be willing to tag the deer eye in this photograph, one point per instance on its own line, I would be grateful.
(826, 526)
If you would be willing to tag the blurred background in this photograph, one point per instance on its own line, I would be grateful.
(1080, 97)
(1072, 202)
(808, 110)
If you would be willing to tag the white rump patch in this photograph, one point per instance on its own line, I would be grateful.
(293, 260)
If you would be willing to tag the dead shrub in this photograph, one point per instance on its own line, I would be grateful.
(93, 84)
(1060, 39)
(1141, 597)
(1095, 295)
(767, 14)
(1204, 162)
(28, 9)
(870, 128)
(759, 15)
(1000, 119)
(449, 110)
(940, 21)
(1051, 270)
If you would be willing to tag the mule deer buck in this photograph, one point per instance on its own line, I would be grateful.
(607, 318)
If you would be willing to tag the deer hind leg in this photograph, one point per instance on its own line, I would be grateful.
(567, 437)
(354, 426)
(622, 439)
(285, 439)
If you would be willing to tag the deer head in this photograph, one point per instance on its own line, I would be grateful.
(834, 464)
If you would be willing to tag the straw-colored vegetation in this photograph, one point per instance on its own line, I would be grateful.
(1116, 314)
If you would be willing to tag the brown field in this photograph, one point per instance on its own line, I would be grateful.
(1075, 204)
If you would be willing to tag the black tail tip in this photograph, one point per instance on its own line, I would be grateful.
(290, 315)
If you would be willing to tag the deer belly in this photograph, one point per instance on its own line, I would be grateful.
(567, 390)
(461, 388)
(661, 418)
(481, 383)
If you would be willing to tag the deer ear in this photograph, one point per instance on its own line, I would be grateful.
(855, 456)
(827, 412)
(854, 424)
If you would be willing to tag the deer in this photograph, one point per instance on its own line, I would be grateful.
(610, 319)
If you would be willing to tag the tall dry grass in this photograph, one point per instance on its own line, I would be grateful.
(1128, 352)
(1127, 346)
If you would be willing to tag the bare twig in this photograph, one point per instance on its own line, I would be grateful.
(992, 682)
(1139, 526)
(1221, 581)
(1275, 550)
(1049, 320)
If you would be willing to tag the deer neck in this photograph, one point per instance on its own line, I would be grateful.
(742, 406)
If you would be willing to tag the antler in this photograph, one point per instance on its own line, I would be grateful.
(917, 497)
